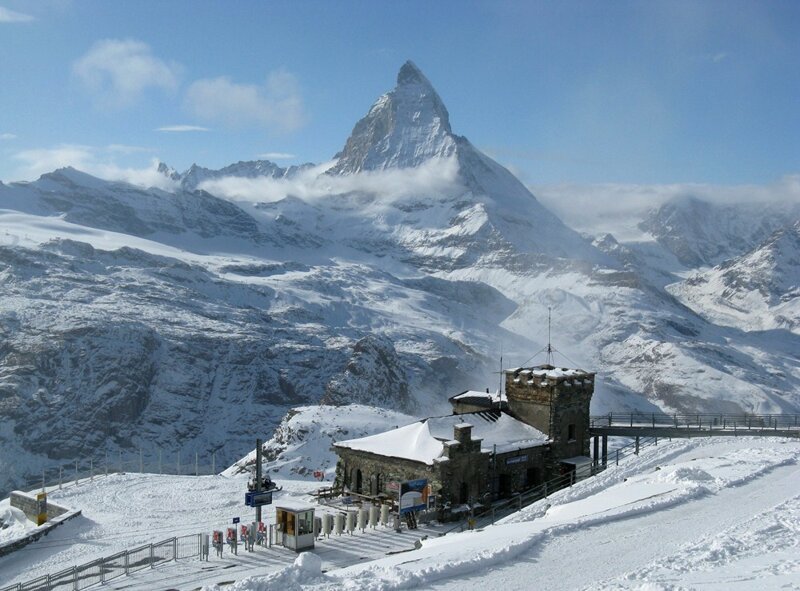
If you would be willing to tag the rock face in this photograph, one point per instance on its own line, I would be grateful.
(403, 129)
(181, 322)
(701, 233)
(376, 359)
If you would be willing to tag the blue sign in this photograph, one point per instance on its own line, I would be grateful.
(413, 496)
(258, 498)
(235, 520)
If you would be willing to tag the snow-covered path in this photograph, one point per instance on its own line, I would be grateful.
(624, 553)
(712, 513)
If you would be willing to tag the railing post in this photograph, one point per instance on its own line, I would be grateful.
(654, 420)
(617, 457)
(152, 562)
(609, 419)
(75, 578)
(175, 549)
(637, 445)
(631, 419)
(102, 570)
(126, 563)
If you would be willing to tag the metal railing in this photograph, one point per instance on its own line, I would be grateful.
(102, 570)
(483, 516)
(708, 421)
(87, 469)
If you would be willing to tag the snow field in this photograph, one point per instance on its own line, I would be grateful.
(670, 499)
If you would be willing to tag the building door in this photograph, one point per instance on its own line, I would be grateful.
(463, 493)
(505, 485)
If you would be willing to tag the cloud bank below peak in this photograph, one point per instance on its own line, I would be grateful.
(435, 177)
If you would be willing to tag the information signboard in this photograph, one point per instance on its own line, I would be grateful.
(258, 498)
(413, 496)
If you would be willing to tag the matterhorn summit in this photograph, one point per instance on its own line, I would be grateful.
(404, 128)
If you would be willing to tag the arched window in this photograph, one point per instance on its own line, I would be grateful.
(359, 482)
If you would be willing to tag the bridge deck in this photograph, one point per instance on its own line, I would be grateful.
(695, 425)
(677, 432)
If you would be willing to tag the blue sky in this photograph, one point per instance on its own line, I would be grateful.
(561, 92)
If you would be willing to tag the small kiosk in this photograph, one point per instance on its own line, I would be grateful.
(294, 523)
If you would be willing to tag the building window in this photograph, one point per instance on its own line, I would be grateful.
(571, 432)
(359, 482)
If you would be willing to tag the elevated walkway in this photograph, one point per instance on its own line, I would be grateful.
(655, 426)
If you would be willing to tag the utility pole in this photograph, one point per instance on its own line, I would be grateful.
(258, 477)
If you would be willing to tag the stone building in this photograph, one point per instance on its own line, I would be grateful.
(491, 447)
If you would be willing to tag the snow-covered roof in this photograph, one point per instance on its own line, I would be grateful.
(424, 441)
(549, 372)
(489, 397)
(296, 506)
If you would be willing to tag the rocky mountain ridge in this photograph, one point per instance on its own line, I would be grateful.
(146, 319)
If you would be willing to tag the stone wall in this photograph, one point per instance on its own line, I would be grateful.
(56, 515)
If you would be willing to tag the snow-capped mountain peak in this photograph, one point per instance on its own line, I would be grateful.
(403, 128)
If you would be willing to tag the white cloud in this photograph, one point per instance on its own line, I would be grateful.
(118, 71)
(276, 105)
(432, 178)
(182, 128)
(8, 136)
(275, 156)
(98, 162)
(9, 16)
(599, 207)
(718, 57)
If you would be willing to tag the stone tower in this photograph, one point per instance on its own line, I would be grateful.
(555, 400)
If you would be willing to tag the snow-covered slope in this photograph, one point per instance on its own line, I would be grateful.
(699, 233)
(706, 513)
(137, 318)
(759, 290)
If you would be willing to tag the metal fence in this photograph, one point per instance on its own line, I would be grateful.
(87, 469)
(121, 564)
(487, 515)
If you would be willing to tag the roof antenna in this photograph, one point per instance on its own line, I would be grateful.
(549, 359)
(500, 391)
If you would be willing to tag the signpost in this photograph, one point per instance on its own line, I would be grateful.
(235, 520)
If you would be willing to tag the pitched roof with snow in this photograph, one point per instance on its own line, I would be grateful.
(423, 441)
(477, 396)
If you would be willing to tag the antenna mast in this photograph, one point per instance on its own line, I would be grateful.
(549, 358)
(500, 391)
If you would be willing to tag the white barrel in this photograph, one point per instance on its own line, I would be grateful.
(317, 526)
(351, 521)
(362, 518)
(373, 516)
(339, 524)
(384, 514)
(327, 523)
